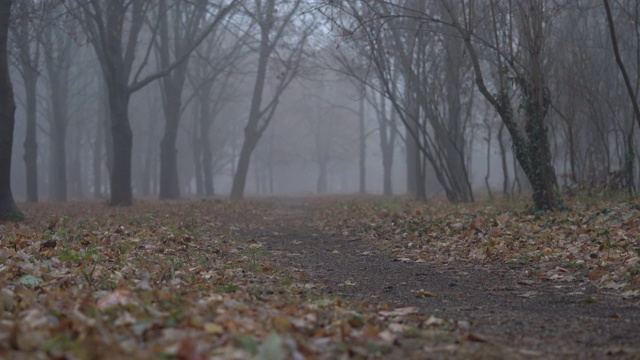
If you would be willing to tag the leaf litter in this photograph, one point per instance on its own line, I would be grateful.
(598, 243)
(184, 280)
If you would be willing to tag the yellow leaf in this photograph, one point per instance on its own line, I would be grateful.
(212, 328)
(281, 323)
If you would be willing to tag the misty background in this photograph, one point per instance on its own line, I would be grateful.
(357, 97)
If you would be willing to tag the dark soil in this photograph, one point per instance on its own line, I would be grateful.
(509, 315)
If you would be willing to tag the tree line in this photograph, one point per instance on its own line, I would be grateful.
(546, 89)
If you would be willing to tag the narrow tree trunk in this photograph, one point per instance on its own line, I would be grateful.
(412, 157)
(321, 185)
(387, 143)
(97, 162)
(196, 148)
(240, 177)
(387, 164)
(207, 168)
(362, 149)
(251, 134)
(30, 141)
(206, 155)
(503, 158)
(58, 176)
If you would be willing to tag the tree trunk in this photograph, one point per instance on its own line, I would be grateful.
(412, 161)
(206, 155)
(196, 147)
(207, 168)
(8, 208)
(30, 141)
(122, 137)
(58, 176)
(251, 134)
(387, 144)
(362, 150)
(169, 187)
(97, 161)
(321, 185)
(240, 177)
(173, 85)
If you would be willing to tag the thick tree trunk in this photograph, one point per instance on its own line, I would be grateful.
(169, 187)
(8, 208)
(122, 137)
(169, 183)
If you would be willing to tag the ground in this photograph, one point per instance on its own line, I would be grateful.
(298, 278)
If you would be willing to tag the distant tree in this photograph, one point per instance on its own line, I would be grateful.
(179, 27)
(281, 41)
(8, 208)
(214, 80)
(57, 46)
(113, 28)
(24, 36)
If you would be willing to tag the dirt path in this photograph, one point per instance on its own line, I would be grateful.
(503, 306)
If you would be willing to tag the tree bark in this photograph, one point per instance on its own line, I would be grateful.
(251, 134)
(122, 139)
(30, 140)
(362, 149)
(240, 177)
(321, 185)
(28, 61)
(8, 208)
(271, 33)
(97, 160)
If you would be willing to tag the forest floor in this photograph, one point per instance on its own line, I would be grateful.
(296, 278)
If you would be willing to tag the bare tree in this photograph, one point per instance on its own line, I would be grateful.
(531, 146)
(214, 79)
(429, 92)
(25, 39)
(282, 40)
(629, 157)
(113, 28)
(179, 26)
(57, 45)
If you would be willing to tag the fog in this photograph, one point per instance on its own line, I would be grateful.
(255, 98)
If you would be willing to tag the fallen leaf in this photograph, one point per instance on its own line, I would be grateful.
(476, 338)
(433, 321)
(213, 328)
(528, 294)
(424, 293)
(118, 297)
(404, 311)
